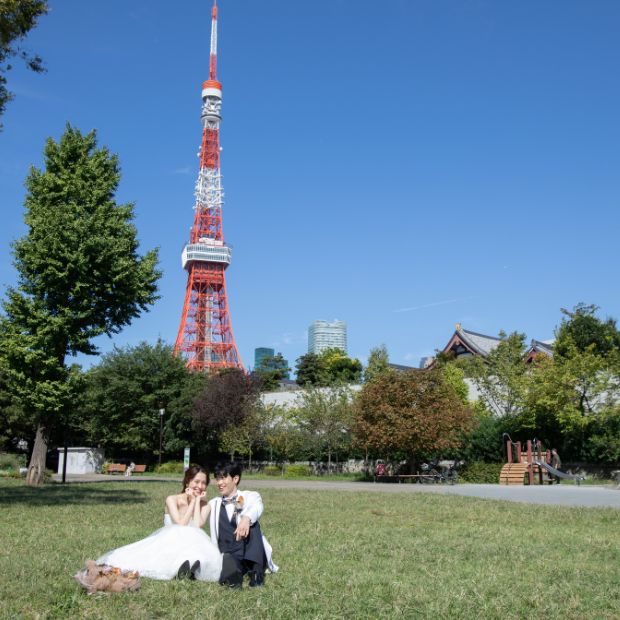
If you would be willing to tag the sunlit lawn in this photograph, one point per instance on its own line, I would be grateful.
(342, 555)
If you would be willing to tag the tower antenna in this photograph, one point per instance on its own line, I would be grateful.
(213, 50)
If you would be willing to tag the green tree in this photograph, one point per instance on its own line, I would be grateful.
(583, 330)
(282, 435)
(501, 377)
(15, 424)
(340, 367)
(410, 414)
(124, 394)
(568, 393)
(330, 367)
(603, 444)
(455, 376)
(272, 369)
(378, 363)
(311, 370)
(17, 18)
(484, 441)
(325, 416)
(244, 438)
(79, 276)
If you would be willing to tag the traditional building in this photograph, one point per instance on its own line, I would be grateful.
(465, 343)
(538, 347)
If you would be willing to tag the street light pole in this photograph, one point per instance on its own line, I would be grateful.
(162, 411)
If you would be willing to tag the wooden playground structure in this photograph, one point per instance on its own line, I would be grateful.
(527, 466)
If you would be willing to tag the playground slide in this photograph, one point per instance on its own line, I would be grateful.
(559, 474)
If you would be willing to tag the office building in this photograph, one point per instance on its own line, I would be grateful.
(327, 335)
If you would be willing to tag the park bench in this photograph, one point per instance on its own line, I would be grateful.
(139, 469)
(116, 468)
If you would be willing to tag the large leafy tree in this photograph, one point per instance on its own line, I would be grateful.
(410, 414)
(281, 433)
(79, 276)
(17, 18)
(501, 377)
(311, 370)
(566, 395)
(225, 401)
(244, 438)
(331, 366)
(123, 397)
(271, 371)
(325, 416)
(581, 330)
(570, 393)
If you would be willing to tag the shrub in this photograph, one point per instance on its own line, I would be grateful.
(12, 462)
(272, 470)
(479, 472)
(170, 467)
(297, 471)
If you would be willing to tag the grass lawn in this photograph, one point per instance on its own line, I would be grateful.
(342, 555)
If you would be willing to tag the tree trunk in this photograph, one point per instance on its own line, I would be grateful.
(36, 468)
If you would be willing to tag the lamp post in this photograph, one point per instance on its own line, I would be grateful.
(162, 411)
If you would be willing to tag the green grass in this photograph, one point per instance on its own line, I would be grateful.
(342, 555)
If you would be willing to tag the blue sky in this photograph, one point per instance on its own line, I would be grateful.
(400, 165)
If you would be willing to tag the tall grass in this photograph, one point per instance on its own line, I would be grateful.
(342, 555)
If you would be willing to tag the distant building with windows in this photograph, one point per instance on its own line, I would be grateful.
(327, 335)
(260, 354)
(263, 358)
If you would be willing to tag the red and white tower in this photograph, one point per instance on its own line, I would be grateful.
(205, 335)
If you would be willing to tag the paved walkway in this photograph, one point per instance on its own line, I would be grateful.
(557, 494)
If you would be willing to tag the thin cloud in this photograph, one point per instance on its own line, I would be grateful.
(185, 170)
(433, 304)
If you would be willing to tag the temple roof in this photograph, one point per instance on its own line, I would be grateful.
(540, 346)
(465, 342)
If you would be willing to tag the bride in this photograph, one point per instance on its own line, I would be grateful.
(181, 548)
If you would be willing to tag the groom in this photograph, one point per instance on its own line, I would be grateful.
(235, 529)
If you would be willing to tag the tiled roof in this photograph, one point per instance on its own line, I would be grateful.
(540, 346)
(480, 343)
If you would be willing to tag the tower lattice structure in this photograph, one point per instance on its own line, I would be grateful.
(205, 334)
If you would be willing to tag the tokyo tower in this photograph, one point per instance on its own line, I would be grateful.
(205, 335)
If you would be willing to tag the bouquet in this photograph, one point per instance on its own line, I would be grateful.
(103, 578)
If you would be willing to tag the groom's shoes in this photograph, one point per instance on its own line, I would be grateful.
(185, 572)
(230, 576)
(195, 569)
(257, 579)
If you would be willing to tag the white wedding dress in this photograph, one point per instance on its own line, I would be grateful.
(160, 555)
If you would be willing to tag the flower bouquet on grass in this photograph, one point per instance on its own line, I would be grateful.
(103, 578)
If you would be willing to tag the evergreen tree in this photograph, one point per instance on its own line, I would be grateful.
(79, 276)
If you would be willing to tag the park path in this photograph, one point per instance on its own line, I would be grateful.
(556, 495)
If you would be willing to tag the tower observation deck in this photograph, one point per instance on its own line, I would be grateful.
(205, 335)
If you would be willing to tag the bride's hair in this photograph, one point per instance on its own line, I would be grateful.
(191, 473)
